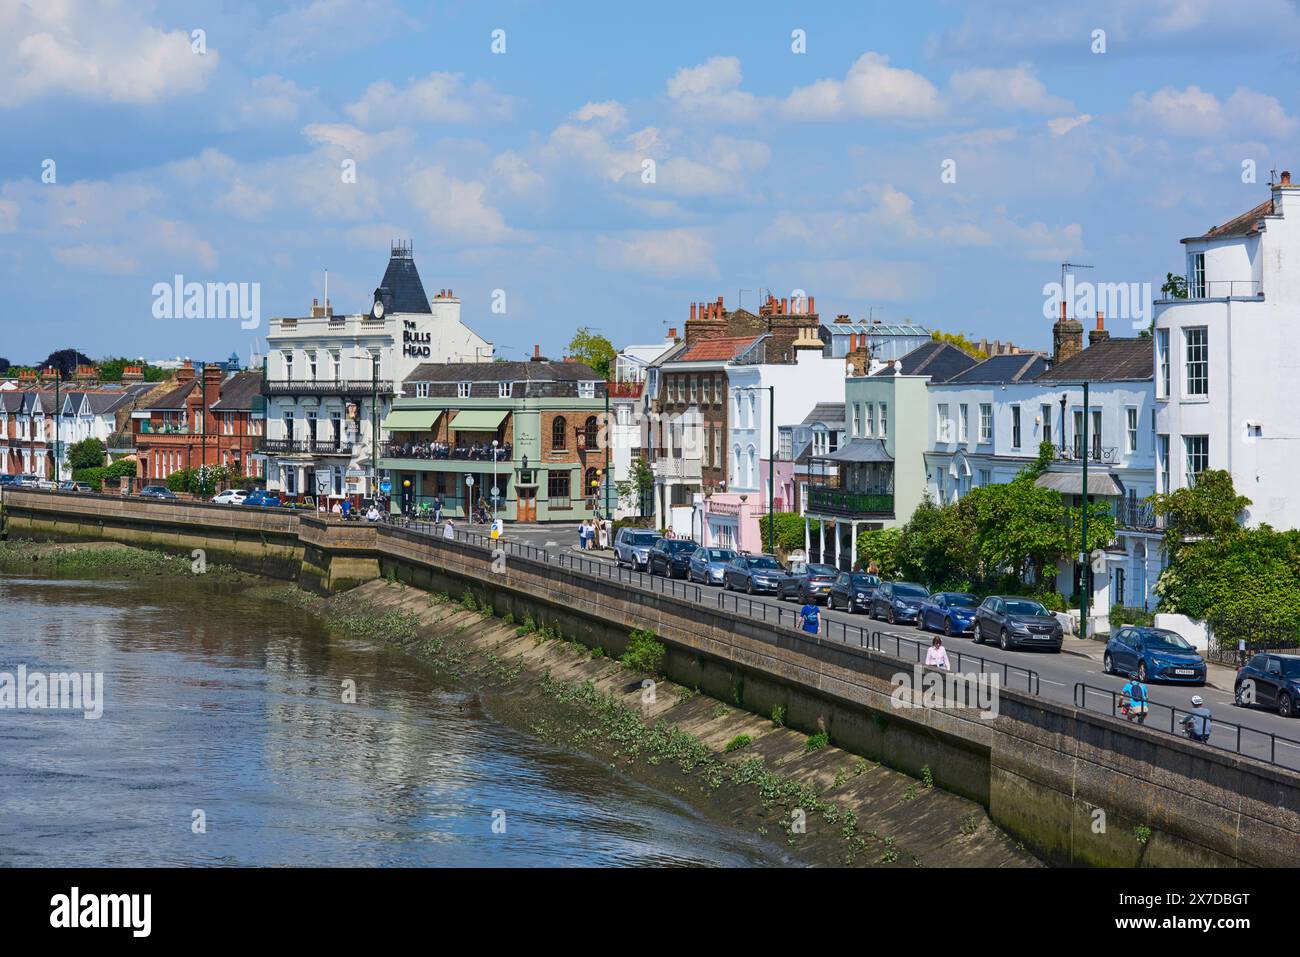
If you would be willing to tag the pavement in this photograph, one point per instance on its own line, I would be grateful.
(1218, 677)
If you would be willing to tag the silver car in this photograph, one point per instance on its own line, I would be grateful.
(709, 565)
(632, 546)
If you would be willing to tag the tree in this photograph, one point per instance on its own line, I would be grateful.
(633, 491)
(66, 361)
(86, 454)
(110, 369)
(789, 532)
(880, 545)
(1175, 287)
(1210, 507)
(959, 340)
(593, 349)
(937, 546)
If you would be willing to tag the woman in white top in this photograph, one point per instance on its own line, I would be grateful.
(937, 656)
(604, 535)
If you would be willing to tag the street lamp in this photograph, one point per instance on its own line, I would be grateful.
(771, 459)
(495, 490)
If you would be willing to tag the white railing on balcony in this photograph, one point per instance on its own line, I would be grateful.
(1225, 289)
(671, 468)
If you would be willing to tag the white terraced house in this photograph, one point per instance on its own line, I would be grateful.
(1226, 359)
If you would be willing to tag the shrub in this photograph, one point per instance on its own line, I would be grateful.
(1121, 615)
(96, 477)
(816, 742)
(778, 715)
(738, 742)
(643, 652)
(789, 531)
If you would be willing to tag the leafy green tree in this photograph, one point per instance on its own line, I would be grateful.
(66, 361)
(1210, 507)
(1174, 287)
(86, 454)
(593, 349)
(880, 545)
(789, 532)
(938, 546)
(635, 489)
(959, 340)
(110, 370)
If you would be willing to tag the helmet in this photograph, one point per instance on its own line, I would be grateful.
(1196, 701)
(1134, 677)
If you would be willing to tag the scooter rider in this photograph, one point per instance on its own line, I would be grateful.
(1134, 705)
(1196, 723)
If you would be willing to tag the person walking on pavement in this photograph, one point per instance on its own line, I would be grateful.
(449, 530)
(937, 656)
(604, 535)
(811, 616)
(1134, 704)
(437, 509)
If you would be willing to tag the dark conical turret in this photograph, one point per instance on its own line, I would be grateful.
(401, 289)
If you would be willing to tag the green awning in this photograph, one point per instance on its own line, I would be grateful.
(479, 420)
(410, 420)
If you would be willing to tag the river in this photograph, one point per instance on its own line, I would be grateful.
(225, 741)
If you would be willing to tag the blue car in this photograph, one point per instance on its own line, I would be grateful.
(952, 612)
(263, 499)
(1156, 654)
(708, 566)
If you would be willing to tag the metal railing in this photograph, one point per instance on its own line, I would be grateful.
(1224, 289)
(919, 646)
(1097, 453)
(289, 446)
(1226, 735)
(441, 451)
(837, 501)
(325, 387)
(1141, 515)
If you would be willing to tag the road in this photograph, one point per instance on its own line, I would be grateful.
(1055, 676)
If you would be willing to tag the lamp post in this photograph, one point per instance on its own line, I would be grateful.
(58, 375)
(1086, 587)
(771, 458)
(374, 426)
(610, 479)
(494, 478)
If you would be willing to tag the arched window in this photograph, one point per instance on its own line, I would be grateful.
(559, 433)
(588, 488)
(591, 433)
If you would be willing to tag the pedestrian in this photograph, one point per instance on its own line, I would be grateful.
(811, 616)
(1134, 705)
(937, 656)
(873, 568)
(372, 515)
(337, 509)
(437, 509)
(449, 530)
(604, 535)
(347, 508)
(588, 535)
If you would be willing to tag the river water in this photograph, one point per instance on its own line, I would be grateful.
(221, 702)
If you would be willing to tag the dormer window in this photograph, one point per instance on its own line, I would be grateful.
(505, 390)
(462, 389)
(586, 390)
(421, 390)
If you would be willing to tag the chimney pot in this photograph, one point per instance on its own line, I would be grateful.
(1101, 323)
(785, 306)
(811, 310)
(672, 330)
(1286, 177)
(1063, 310)
(692, 312)
(537, 350)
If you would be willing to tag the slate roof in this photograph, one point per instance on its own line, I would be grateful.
(401, 289)
(1018, 367)
(173, 399)
(1246, 224)
(830, 413)
(238, 392)
(939, 360)
(503, 372)
(1111, 360)
(859, 450)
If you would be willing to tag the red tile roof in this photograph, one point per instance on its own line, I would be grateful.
(714, 349)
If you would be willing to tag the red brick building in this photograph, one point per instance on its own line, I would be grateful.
(210, 420)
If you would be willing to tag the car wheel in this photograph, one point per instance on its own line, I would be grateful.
(1003, 641)
(1236, 697)
(979, 634)
(1142, 671)
(749, 586)
(947, 627)
(1107, 665)
(1285, 707)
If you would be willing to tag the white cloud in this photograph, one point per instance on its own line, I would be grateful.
(872, 89)
(1063, 124)
(113, 260)
(436, 98)
(665, 254)
(610, 115)
(8, 216)
(1196, 112)
(721, 168)
(326, 27)
(1012, 88)
(456, 209)
(712, 91)
(95, 52)
(273, 99)
(513, 174)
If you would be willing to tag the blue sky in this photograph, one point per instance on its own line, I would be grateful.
(523, 171)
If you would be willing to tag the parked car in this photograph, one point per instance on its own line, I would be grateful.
(11, 480)
(852, 592)
(1012, 622)
(708, 566)
(898, 602)
(1271, 681)
(231, 496)
(74, 487)
(671, 557)
(29, 481)
(1156, 654)
(952, 612)
(47, 485)
(157, 491)
(809, 583)
(754, 573)
(632, 546)
(262, 499)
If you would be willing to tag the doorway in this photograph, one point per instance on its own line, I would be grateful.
(526, 510)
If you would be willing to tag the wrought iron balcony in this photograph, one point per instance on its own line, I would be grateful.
(1138, 515)
(1097, 453)
(851, 504)
(307, 446)
(325, 387)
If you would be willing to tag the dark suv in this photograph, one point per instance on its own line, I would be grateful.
(1271, 681)
(852, 592)
(1014, 622)
(671, 557)
(753, 573)
(898, 602)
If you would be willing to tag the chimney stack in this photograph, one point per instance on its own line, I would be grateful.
(1286, 177)
(1067, 338)
(1100, 334)
(842, 317)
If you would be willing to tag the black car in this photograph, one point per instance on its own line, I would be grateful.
(809, 583)
(1014, 622)
(671, 557)
(157, 491)
(1271, 681)
(754, 573)
(898, 602)
(852, 592)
